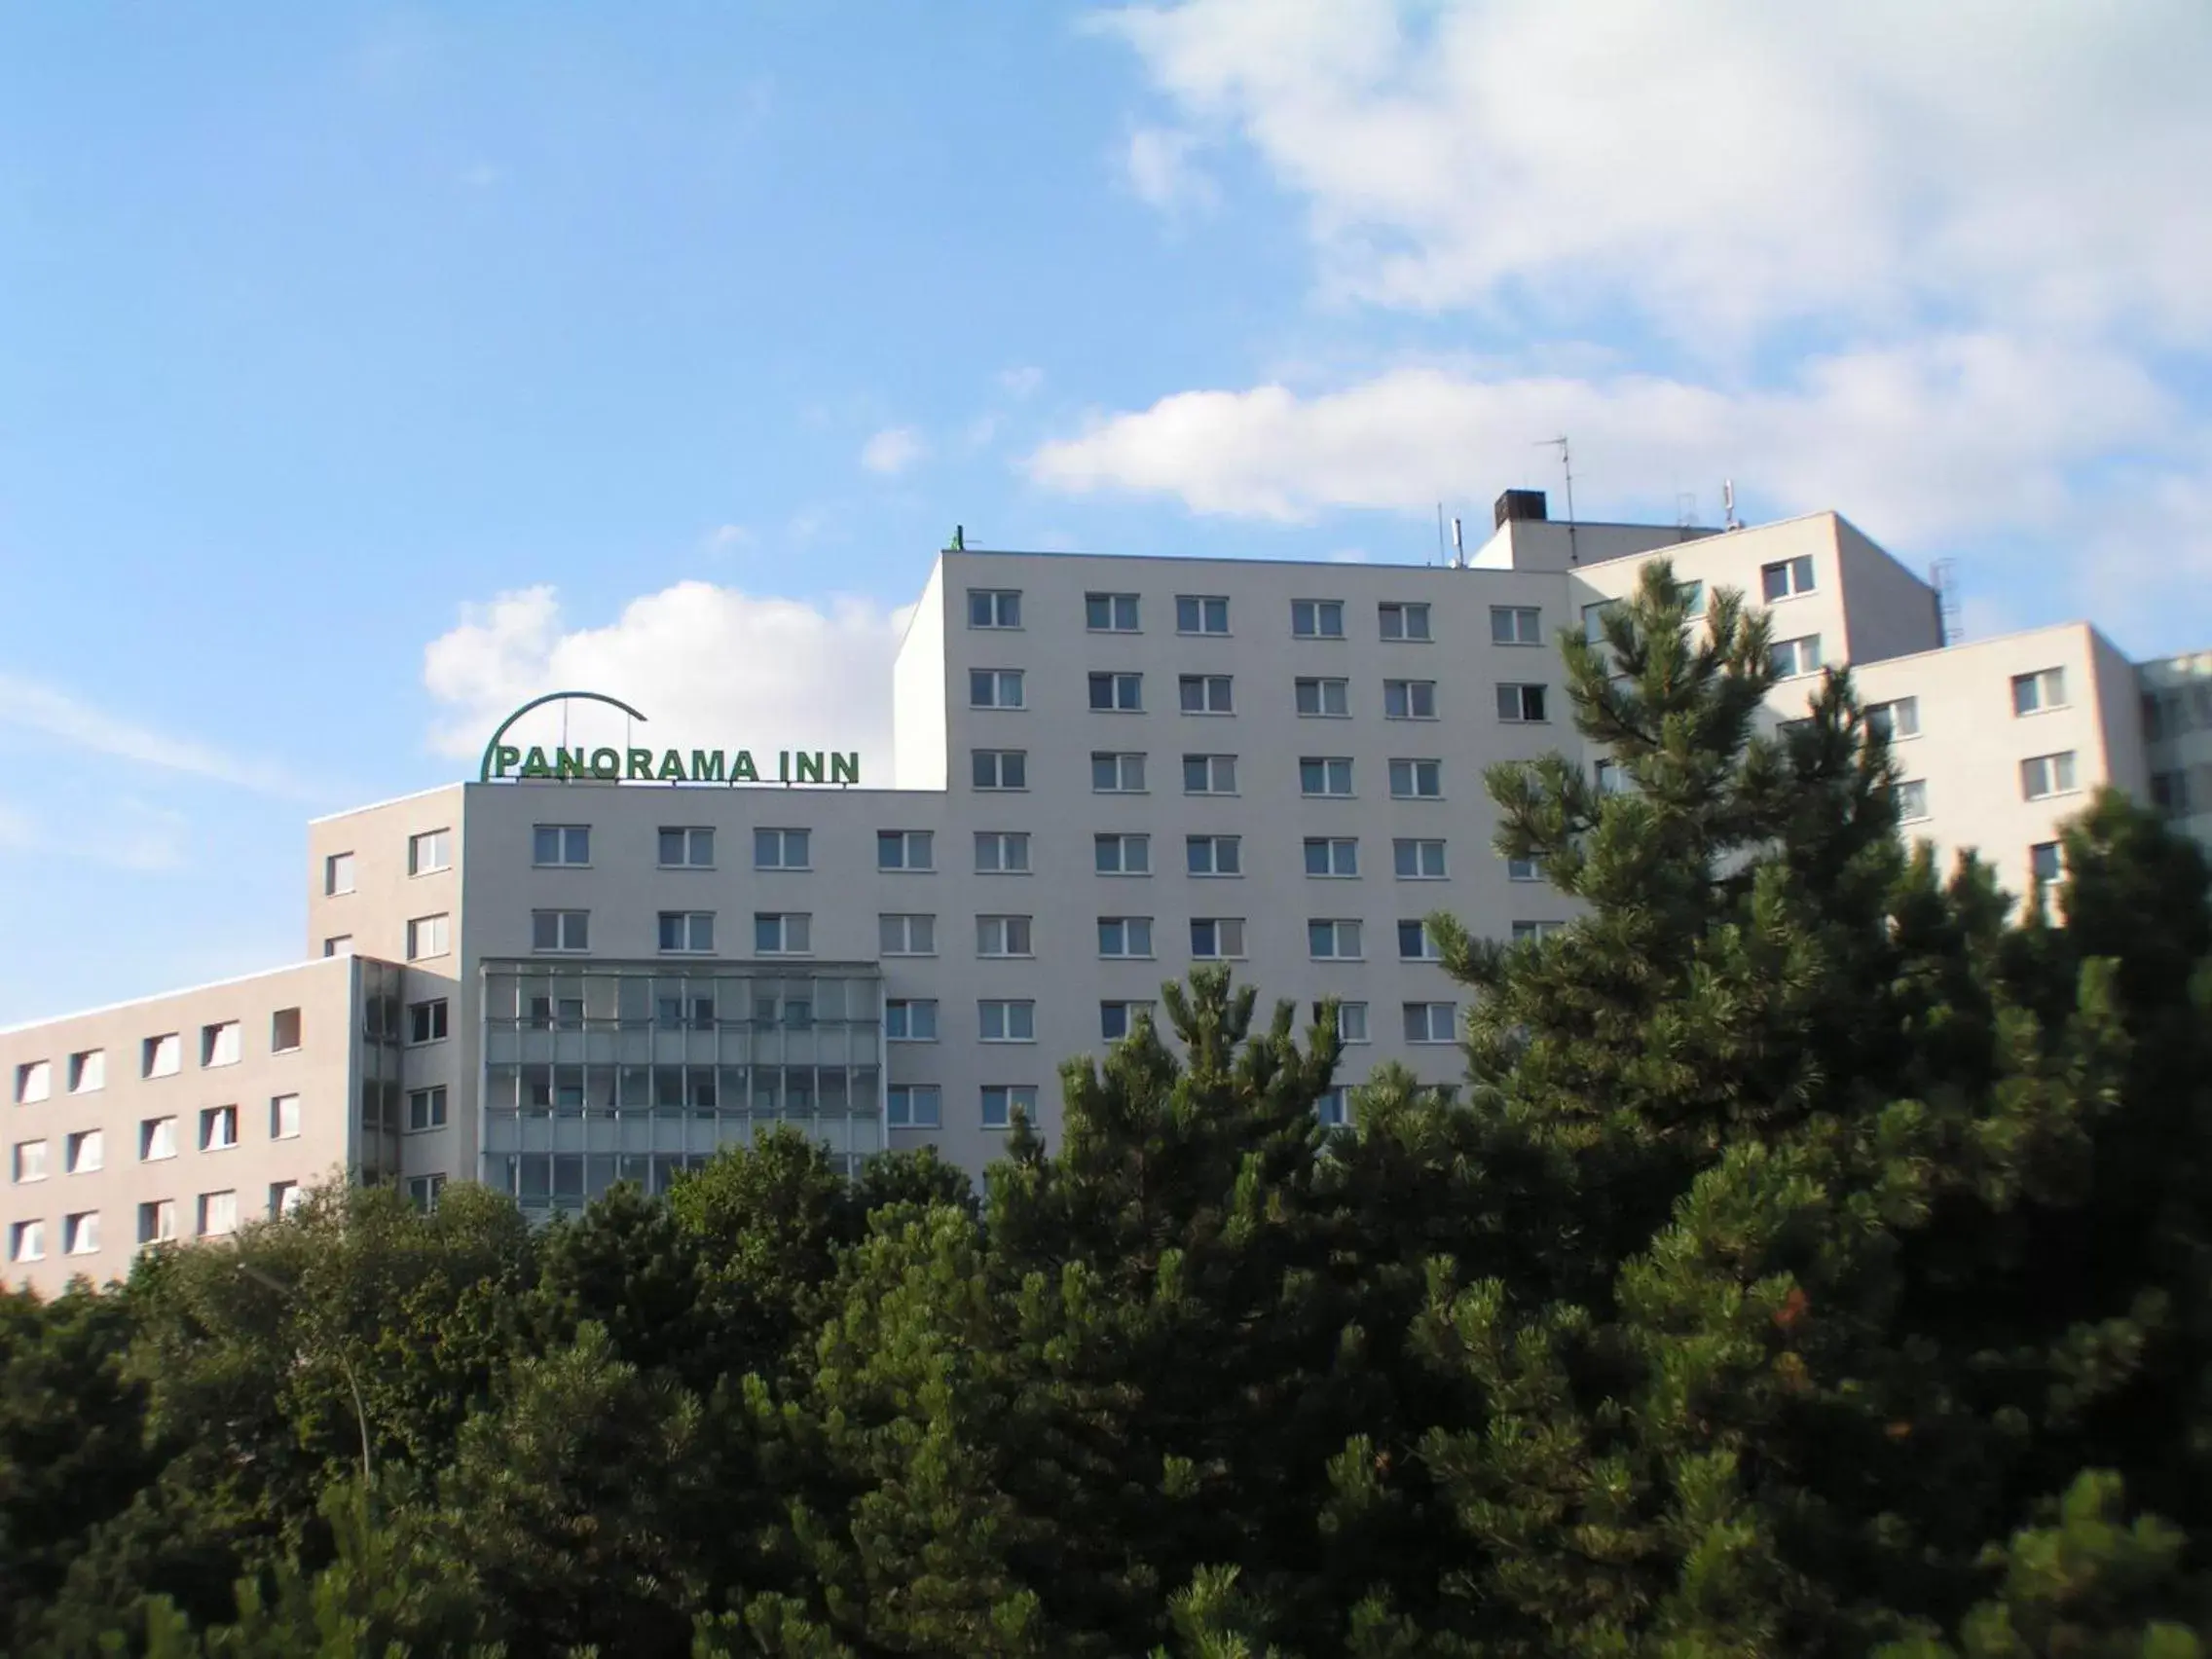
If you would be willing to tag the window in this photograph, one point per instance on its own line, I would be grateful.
(1785, 578)
(1534, 933)
(2046, 775)
(905, 849)
(1001, 769)
(29, 1160)
(1594, 618)
(2032, 694)
(338, 873)
(1110, 612)
(156, 1139)
(1217, 938)
(220, 1044)
(1002, 852)
(283, 1031)
(1912, 801)
(338, 945)
(1124, 935)
(429, 850)
(34, 1080)
(676, 1013)
(1213, 854)
(1325, 776)
(1403, 621)
(1116, 773)
(218, 1129)
(686, 849)
(1331, 940)
(1119, 693)
(432, 936)
(994, 688)
(782, 932)
(87, 1067)
(156, 1221)
(1429, 1022)
(1415, 943)
(1002, 935)
(423, 1192)
(1416, 699)
(1524, 870)
(1317, 618)
(1515, 625)
(781, 849)
(2169, 794)
(1001, 1101)
(687, 931)
(1204, 694)
(909, 1020)
(2045, 863)
(284, 1198)
(427, 1109)
(1325, 856)
(560, 844)
(284, 1117)
(1121, 855)
(1792, 658)
(907, 935)
(994, 608)
(1519, 704)
(81, 1233)
(1418, 860)
(427, 1021)
(27, 1242)
(1332, 1107)
(86, 1153)
(1324, 699)
(1209, 774)
(1610, 779)
(1007, 1021)
(1117, 1020)
(1351, 1021)
(1200, 613)
(1897, 719)
(557, 930)
(162, 1056)
(912, 1106)
(1416, 780)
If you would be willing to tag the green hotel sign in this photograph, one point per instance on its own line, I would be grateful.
(508, 762)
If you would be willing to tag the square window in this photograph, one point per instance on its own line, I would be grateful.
(1336, 857)
(432, 936)
(87, 1067)
(691, 932)
(1325, 776)
(1535, 933)
(1429, 1022)
(1415, 943)
(1121, 855)
(1110, 612)
(557, 930)
(1332, 941)
(1416, 699)
(156, 1139)
(423, 1192)
(909, 1020)
(86, 1153)
(429, 850)
(905, 849)
(1209, 774)
(912, 1106)
(1213, 854)
(1524, 870)
(427, 1021)
(2046, 775)
(1520, 704)
(1116, 773)
(1785, 578)
(1323, 699)
(2032, 694)
(27, 1242)
(1416, 780)
(218, 1129)
(907, 935)
(1002, 852)
(426, 1109)
(781, 849)
(1117, 1020)
(1001, 1101)
(994, 688)
(1317, 618)
(560, 844)
(1897, 719)
(156, 1221)
(1403, 621)
(162, 1056)
(1794, 657)
(1124, 935)
(782, 932)
(34, 1081)
(1416, 861)
(1912, 801)
(994, 608)
(1217, 938)
(1351, 1021)
(1200, 613)
(283, 1031)
(338, 873)
(1001, 769)
(220, 1044)
(284, 1117)
(1002, 935)
(1515, 625)
(1118, 693)
(683, 848)
(284, 1196)
(29, 1162)
(2046, 865)
(1007, 1021)
(1204, 694)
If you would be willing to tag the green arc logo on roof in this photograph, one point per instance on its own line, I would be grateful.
(505, 762)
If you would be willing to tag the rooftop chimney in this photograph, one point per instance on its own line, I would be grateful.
(1519, 504)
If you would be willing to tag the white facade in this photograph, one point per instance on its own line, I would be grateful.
(1105, 770)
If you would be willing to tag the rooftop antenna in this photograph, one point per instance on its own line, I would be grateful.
(1440, 532)
(1566, 465)
(959, 538)
(1458, 545)
(1728, 518)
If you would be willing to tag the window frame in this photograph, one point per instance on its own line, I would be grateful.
(905, 920)
(2044, 689)
(1007, 922)
(1514, 699)
(1122, 841)
(1222, 950)
(1213, 764)
(1416, 845)
(1340, 928)
(1201, 602)
(2066, 760)
(1011, 1015)
(1001, 841)
(1414, 778)
(1798, 578)
(1213, 845)
(999, 680)
(1125, 953)
(995, 599)
(562, 845)
(439, 843)
(1113, 601)
(687, 928)
(1429, 1010)
(1328, 765)
(901, 1114)
(1120, 760)
(562, 945)
(906, 840)
(1410, 693)
(1406, 611)
(1114, 683)
(912, 1009)
(1013, 1096)
(1207, 687)
(1533, 612)
(691, 837)
(1321, 609)
(998, 759)
(783, 920)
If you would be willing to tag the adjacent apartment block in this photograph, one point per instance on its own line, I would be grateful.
(606, 958)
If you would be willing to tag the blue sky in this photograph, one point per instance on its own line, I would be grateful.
(364, 370)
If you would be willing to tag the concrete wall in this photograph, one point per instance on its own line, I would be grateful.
(1888, 610)
(918, 687)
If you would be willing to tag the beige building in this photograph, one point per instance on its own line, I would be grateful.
(1103, 771)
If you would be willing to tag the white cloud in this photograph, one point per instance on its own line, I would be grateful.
(706, 665)
(893, 449)
(51, 712)
(1157, 165)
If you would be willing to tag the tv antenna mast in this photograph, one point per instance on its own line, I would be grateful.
(1566, 467)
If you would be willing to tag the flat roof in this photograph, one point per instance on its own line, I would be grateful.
(181, 992)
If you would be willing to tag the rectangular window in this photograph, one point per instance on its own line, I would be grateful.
(1535, 933)
(1416, 861)
(905, 849)
(782, 932)
(1594, 618)
(691, 932)
(220, 1044)
(1520, 704)
(560, 844)
(1002, 935)
(2046, 688)
(218, 1129)
(1693, 599)
(1007, 1021)
(2045, 863)
(1121, 855)
(427, 1109)
(1429, 1022)
(1912, 801)
(683, 848)
(1118, 693)
(1416, 780)
(1416, 699)
(1001, 769)
(1323, 699)
(558, 929)
(1332, 1107)
(86, 1153)
(909, 1020)
(156, 1221)
(2169, 794)
(427, 1021)
(1351, 1021)
(1124, 935)
(156, 1139)
(1204, 694)
(781, 849)
(1415, 943)
(1213, 854)
(1110, 612)
(1116, 773)
(1332, 941)
(1794, 657)
(1897, 719)
(162, 1056)
(1209, 774)
(284, 1117)
(1785, 578)
(1524, 870)
(432, 936)
(2046, 775)
(87, 1067)
(1611, 780)
(994, 608)
(338, 945)
(1200, 613)
(1002, 852)
(27, 1242)
(429, 850)
(907, 935)
(1001, 1101)
(1403, 621)
(1329, 775)
(34, 1080)
(912, 1106)
(1515, 625)
(338, 873)
(1331, 856)
(283, 1031)
(284, 1196)
(1117, 1020)
(994, 688)
(29, 1161)
(1317, 618)
(1217, 938)
(423, 1192)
